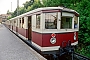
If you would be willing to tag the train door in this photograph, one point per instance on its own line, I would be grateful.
(29, 28)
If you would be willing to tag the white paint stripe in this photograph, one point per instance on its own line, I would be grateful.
(46, 48)
(22, 36)
(75, 43)
(55, 30)
(14, 31)
(51, 48)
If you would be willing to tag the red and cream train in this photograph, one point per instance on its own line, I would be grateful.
(48, 29)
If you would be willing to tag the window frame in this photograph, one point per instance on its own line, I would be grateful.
(38, 27)
(51, 22)
(71, 22)
(77, 22)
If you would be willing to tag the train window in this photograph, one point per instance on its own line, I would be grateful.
(51, 20)
(14, 22)
(22, 22)
(19, 23)
(66, 22)
(75, 22)
(38, 21)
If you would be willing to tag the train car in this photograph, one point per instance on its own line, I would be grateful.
(50, 29)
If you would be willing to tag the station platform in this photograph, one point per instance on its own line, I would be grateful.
(12, 48)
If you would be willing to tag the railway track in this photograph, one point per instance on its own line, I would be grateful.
(76, 56)
(80, 57)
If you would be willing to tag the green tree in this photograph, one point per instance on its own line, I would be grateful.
(36, 4)
(22, 10)
(28, 3)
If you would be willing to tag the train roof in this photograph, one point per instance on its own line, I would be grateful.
(46, 8)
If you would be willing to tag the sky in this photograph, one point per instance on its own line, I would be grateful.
(6, 5)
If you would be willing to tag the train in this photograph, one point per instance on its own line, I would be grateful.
(51, 30)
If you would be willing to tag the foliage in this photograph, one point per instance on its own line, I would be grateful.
(84, 51)
(21, 10)
(84, 34)
(36, 4)
(9, 17)
(48, 3)
(28, 3)
(9, 13)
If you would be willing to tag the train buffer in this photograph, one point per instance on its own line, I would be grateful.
(12, 48)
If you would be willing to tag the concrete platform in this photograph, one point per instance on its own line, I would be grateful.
(12, 48)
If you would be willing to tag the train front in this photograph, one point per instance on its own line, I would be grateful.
(59, 29)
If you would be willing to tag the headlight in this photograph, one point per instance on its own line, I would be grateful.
(53, 40)
(74, 35)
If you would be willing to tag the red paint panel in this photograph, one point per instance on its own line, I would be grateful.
(44, 39)
(76, 38)
(26, 33)
(37, 38)
(59, 39)
(23, 32)
(14, 28)
(10, 26)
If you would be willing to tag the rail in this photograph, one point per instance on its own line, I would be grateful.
(80, 57)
